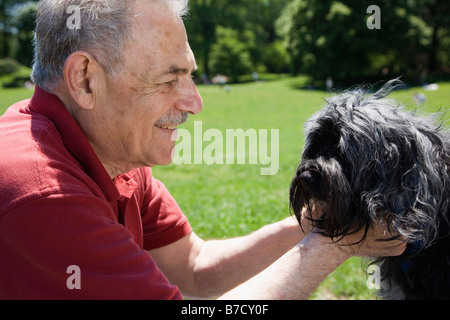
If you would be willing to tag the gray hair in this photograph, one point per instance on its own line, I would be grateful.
(104, 31)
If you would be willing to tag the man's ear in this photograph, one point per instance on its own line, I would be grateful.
(82, 74)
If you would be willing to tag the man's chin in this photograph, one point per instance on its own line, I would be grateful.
(166, 163)
(164, 156)
(163, 161)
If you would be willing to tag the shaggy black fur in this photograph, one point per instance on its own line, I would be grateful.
(366, 161)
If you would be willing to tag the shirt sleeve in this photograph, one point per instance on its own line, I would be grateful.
(163, 221)
(41, 239)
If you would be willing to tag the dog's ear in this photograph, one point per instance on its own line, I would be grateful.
(307, 186)
(297, 198)
(323, 140)
(340, 216)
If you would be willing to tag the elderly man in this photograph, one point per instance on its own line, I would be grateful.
(81, 216)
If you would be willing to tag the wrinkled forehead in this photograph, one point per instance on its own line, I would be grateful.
(158, 33)
(152, 20)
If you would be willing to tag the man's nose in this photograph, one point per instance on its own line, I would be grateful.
(190, 99)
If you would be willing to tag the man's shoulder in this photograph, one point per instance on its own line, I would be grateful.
(33, 159)
(21, 125)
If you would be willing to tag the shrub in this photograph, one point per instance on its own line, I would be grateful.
(229, 55)
(8, 66)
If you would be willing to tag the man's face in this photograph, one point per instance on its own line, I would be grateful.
(155, 93)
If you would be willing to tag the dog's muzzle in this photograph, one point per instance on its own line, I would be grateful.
(322, 183)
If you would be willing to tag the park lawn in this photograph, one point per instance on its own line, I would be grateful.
(10, 96)
(232, 200)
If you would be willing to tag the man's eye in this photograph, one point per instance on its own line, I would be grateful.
(171, 83)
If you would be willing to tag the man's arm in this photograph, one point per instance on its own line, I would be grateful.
(247, 267)
(208, 269)
(294, 276)
(297, 274)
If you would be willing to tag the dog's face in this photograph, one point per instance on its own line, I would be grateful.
(368, 161)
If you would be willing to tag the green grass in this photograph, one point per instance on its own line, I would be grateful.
(232, 200)
(11, 96)
(224, 201)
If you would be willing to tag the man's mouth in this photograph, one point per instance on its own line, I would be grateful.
(171, 122)
(167, 127)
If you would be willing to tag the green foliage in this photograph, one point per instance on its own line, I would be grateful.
(331, 38)
(320, 38)
(25, 22)
(275, 57)
(16, 81)
(13, 74)
(9, 26)
(255, 17)
(229, 55)
(8, 66)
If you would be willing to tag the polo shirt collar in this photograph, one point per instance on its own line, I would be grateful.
(74, 139)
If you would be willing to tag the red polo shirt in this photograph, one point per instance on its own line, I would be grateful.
(59, 208)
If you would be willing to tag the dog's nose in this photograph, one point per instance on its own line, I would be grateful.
(306, 177)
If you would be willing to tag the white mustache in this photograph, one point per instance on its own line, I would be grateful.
(173, 119)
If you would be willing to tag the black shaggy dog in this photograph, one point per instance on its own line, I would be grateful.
(367, 161)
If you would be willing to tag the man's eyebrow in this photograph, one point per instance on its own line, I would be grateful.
(173, 69)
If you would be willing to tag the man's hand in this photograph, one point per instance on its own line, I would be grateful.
(376, 244)
(307, 217)
(296, 274)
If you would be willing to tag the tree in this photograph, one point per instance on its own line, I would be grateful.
(5, 30)
(275, 57)
(331, 38)
(255, 16)
(204, 17)
(229, 55)
(435, 13)
(7, 27)
(25, 24)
